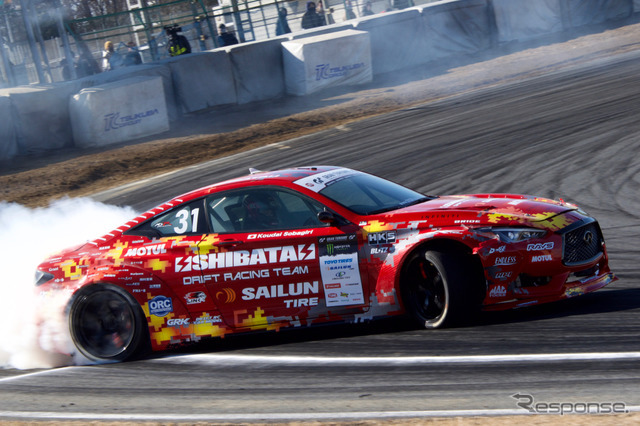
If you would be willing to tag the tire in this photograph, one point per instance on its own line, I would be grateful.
(437, 289)
(107, 324)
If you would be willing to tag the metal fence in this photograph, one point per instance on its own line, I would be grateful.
(62, 58)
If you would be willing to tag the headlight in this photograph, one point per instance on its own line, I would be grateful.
(515, 235)
(42, 277)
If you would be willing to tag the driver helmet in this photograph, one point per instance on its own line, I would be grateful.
(261, 210)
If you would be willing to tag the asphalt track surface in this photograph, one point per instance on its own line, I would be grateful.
(572, 134)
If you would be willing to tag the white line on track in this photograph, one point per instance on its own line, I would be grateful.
(269, 417)
(36, 373)
(309, 360)
(395, 361)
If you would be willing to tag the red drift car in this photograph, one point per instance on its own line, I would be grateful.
(313, 245)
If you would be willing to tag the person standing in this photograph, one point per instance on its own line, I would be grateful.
(311, 19)
(282, 26)
(111, 59)
(133, 56)
(321, 12)
(226, 38)
(178, 43)
(366, 10)
(348, 10)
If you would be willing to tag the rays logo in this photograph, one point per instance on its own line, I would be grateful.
(539, 246)
(226, 295)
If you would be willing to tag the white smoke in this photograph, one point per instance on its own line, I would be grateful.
(27, 236)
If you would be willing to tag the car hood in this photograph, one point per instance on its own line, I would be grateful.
(495, 209)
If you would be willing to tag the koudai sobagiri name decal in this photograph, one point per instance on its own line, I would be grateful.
(113, 121)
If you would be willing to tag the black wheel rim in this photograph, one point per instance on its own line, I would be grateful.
(104, 324)
(429, 294)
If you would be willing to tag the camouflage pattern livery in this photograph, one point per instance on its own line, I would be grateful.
(198, 268)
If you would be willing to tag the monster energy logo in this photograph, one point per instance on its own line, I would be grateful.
(330, 249)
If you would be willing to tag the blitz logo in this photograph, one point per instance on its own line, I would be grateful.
(539, 246)
(376, 238)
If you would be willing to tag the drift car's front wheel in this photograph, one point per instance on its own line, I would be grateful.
(106, 324)
(434, 289)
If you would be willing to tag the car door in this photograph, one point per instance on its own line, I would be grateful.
(271, 259)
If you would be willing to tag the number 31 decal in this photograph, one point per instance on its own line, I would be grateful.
(183, 216)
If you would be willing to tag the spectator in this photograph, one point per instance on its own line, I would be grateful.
(282, 26)
(330, 19)
(133, 56)
(402, 4)
(178, 43)
(85, 65)
(226, 38)
(311, 19)
(320, 11)
(366, 10)
(111, 59)
(348, 10)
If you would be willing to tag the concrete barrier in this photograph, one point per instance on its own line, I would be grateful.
(8, 139)
(585, 12)
(268, 69)
(119, 111)
(336, 59)
(258, 70)
(202, 80)
(457, 27)
(520, 20)
(160, 69)
(398, 40)
(42, 116)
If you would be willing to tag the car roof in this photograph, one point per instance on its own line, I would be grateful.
(257, 177)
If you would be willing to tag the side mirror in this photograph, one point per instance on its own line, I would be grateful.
(326, 217)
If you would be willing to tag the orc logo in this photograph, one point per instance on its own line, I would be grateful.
(539, 246)
(160, 306)
(226, 295)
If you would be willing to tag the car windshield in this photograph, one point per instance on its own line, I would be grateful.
(366, 194)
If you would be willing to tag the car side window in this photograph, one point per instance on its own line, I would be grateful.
(262, 209)
(187, 219)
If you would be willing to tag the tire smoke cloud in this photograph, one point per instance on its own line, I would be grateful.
(27, 237)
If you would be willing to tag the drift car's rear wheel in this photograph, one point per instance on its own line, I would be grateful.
(106, 324)
(434, 289)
